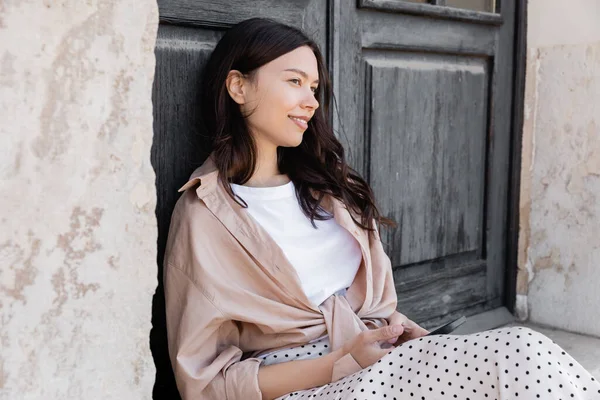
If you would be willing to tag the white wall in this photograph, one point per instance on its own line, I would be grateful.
(559, 255)
(78, 237)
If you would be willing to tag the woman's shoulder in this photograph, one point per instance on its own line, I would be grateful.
(190, 205)
(193, 216)
(193, 230)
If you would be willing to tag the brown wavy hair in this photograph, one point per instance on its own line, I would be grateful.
(318, 165)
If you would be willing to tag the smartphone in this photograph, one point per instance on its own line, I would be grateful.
(449, 327)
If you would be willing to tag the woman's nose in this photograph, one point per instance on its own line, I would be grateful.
(310, 101)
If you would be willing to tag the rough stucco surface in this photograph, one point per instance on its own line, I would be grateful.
(559, 245)
(78, 237)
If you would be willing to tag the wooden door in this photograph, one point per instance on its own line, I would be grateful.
(423, 95)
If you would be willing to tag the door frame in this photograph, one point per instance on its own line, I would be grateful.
(514, 189)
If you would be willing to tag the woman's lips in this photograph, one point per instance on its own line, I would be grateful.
(300, 122)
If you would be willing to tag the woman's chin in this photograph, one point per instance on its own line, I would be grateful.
(294, 141)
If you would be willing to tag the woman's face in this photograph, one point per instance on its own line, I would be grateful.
(279, 100)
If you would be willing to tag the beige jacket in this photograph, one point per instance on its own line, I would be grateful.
(231, 294)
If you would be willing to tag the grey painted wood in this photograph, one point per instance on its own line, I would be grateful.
(310, 15)
(487, 320)
(420, 298)
(435, 11)
(475, 5)
(518, 108)
(179, 146)
(426, 151)
(408, 32)
(333, 49)
(499, 156)
(350, 85)
(225, 13)
(426, 114)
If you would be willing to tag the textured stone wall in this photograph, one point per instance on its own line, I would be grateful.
(78, 237)
(559, 255)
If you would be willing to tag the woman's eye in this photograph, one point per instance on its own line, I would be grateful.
(298, 82)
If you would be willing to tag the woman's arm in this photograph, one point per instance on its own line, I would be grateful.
(278, 379)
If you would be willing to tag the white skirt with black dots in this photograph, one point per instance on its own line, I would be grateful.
(507, 363)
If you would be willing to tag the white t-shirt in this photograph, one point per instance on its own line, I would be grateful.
(326, 259)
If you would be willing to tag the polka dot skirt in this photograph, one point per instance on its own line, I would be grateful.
(506, 363)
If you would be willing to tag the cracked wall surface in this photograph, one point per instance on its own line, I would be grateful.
(559, 247)
(77, 199)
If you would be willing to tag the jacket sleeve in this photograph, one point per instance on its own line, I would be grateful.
(205, 358)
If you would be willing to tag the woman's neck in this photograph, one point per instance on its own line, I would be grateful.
(266, 173)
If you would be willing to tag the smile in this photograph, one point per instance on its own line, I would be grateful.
(300, 122)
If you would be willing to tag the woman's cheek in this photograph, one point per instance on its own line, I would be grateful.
(288, 100)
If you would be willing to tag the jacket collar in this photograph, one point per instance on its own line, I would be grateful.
(205, 175)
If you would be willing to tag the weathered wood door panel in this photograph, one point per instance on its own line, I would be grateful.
(423, 95)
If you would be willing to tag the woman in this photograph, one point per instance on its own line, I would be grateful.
(276, 282)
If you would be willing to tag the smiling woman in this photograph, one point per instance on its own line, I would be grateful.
(276, 281)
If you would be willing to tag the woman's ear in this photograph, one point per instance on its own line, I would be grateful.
(235, 84)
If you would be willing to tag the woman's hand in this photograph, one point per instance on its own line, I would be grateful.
(365, 347)
(411, 329)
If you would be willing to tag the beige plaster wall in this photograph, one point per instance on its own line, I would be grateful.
(78, 237)
(559, 254)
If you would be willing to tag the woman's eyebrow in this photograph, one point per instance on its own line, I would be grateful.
(299, 71)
